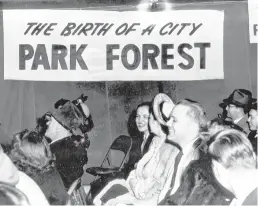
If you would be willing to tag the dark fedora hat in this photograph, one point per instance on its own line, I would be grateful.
(240, 98)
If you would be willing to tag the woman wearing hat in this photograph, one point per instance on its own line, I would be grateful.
(151, 172)
(66, 128)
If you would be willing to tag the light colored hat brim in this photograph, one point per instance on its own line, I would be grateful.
(168, 106)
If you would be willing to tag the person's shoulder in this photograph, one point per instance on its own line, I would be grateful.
(251, 199)
(30, 188)
(243, 122)
(193, 166)
(25, 180)
(200, 166)
(157, 140)
(51, 173)
(53, 177)
(62, 143)
(22, 175)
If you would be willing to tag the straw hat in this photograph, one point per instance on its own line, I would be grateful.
(162, 108)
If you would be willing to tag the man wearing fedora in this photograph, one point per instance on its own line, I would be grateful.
(237, 106)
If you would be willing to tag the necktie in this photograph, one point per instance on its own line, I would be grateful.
(177, 160)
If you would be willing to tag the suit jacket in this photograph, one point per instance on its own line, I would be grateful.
(199, 187)
(253, 139)
(244, 125)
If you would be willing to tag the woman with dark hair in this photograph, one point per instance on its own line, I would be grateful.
(141, 135)
(151, 172)
(31, 154)
(10, 195)
(138, 128)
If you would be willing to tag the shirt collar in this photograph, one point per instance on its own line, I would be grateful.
(145, 137)
(56, 140)
(188, 147)
(238, 120)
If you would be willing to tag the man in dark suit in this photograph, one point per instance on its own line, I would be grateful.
(253, 124)
(66, 128)
(237, 106)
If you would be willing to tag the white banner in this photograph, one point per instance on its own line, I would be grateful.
(77, 45)
(253, 20)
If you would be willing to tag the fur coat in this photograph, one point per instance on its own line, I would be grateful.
(199, 187)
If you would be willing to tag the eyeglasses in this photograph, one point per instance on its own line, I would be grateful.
(231, 106)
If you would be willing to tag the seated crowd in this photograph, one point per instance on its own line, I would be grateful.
(178, 157)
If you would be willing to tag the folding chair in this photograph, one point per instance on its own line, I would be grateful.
(107, 169)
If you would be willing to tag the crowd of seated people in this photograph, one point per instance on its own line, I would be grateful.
(42, 164)
(178, 157)
(206, 160)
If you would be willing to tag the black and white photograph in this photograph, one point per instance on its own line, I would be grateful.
(128, 102)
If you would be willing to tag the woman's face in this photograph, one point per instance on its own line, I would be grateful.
(8, 171)
(142, 118)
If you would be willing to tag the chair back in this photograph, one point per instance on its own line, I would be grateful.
(123, 144)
